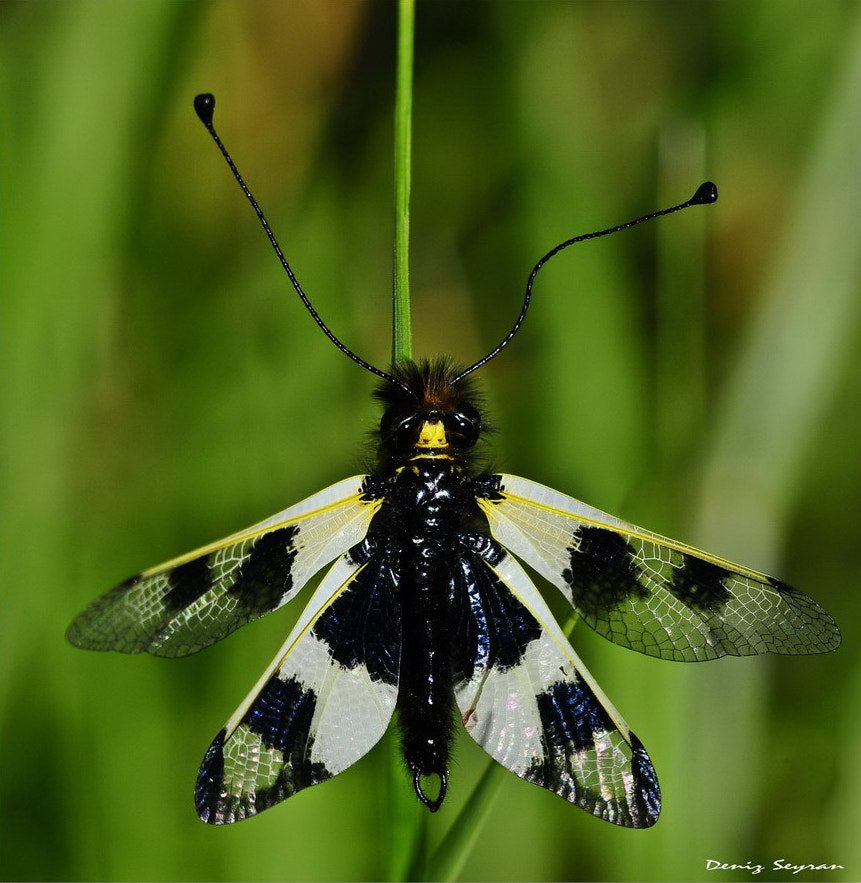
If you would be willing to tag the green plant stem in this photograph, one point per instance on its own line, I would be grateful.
(450, 856)
(406, 852)
(401, 330)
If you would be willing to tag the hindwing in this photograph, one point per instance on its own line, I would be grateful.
(324, 702)
(528, 700)
(190, 602)
(648, 592)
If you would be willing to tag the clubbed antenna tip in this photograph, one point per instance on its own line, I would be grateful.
(204, 106)
(706, 194)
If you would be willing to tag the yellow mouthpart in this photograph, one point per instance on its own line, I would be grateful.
(432, 435)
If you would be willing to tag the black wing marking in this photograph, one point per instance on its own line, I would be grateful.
(192, 601)
(325, 701)
(527, 699)
(648, 592)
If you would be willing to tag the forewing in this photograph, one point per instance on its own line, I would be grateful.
(192, 601)
(324, 702)
(527, 699)
(648, 592)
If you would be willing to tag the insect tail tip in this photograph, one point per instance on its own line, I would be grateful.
(433, 804)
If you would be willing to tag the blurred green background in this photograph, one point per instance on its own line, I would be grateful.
(162, 387)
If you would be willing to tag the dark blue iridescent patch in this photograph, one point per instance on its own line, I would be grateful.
(281, 715)
(492, 627)
(646, 791)
(209, 789)
(362, 626)
(570, 716)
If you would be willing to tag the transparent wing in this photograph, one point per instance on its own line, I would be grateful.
(647, 592)
(192, 601)
(324, 702)
(527, 699)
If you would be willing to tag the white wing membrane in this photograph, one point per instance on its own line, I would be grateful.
(324, 702)
(192, 601)
(533, 706)
(648, 592)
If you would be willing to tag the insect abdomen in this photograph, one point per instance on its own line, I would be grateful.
(425, 509)
(426, 694)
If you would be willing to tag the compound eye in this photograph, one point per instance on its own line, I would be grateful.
(465, 428)
(399, 431)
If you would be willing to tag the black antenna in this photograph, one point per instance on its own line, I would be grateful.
(204, 106)
(706, 194)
